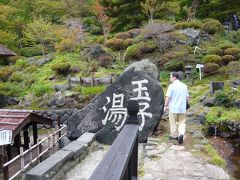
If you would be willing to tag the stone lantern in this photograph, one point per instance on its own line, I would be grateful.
(188, 71)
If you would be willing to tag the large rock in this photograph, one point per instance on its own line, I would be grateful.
(145, 65)
(107, 113)
(192, 34)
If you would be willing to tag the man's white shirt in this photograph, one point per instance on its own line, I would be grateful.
(178, 94)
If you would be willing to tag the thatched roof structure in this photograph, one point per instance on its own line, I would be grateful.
(6, 52)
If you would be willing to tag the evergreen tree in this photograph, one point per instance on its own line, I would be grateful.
(125, 14)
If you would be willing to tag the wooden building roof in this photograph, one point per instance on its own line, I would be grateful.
(15, 120)
(6, 52)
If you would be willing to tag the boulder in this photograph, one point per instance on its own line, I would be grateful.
(107, 113)
(192, 34)
(58, 100)
(147, 66)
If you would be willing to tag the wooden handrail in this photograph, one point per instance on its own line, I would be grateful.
(120, 162)
(23, 153)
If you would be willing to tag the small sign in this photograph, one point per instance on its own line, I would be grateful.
(199, 66)
(5, 137)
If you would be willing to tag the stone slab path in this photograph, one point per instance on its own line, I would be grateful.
(175, 162)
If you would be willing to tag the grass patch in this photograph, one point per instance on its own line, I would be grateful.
(215, 158)
(217, 114)
(88, 91)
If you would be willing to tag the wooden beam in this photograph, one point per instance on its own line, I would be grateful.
(9, 123)
(35, 134)
(15, 110)
(12, 116)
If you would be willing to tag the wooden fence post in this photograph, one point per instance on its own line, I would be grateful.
(53, 141)
(49, 143)
(30, 153)
(38, 153)
(22, 159)
(5, 173)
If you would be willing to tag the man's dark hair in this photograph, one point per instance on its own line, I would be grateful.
(175, 74)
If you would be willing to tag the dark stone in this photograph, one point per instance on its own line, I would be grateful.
(6, 101)
(58, 100)
(64, 118)
(236, 83)
(61, 87)
(209, 102)
(214, 86)
(93, 118)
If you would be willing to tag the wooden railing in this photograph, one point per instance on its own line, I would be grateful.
(51, 140)
(121, 161)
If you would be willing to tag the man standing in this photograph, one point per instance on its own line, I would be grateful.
(176, 101)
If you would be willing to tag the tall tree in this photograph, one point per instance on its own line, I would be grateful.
(40, 32)
(100, 12)
(124, 14)
(150, 7)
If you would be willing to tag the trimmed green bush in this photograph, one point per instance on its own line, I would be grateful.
(227, 59)
(174, 65)
(5, 73)
(128, 42)
(233, 68)
(133, 52)
(225, 46)
(185, 25)
(214, 51)
(233, 51)
(212, 27)
(123, 35)
(210, 68)
(212, 59)
(17, 77)
(147, 47)
(61, 68)
(178, 36)
(31, 51)
(115, 43)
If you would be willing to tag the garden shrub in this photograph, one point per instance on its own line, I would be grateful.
(123, 35)
(147, 47)
(212, 59)
(223, 98)
(228, 58)
(115, 43)
(174, 65)
(16, 77)
(225, 46)
(61, 68)
(41, 88)
(233, 68)
(128, 42)
(104, 60)
(134, 32)
(99, 39)
(214, 51)
(185, 25)
(178, 36)
(5, 73)
(65, 45)
(234, 36)
(210, 68)
(31, 51)
(21, 64)
(212, 26)
(133, 52)
(233, 51)
(95, 30)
